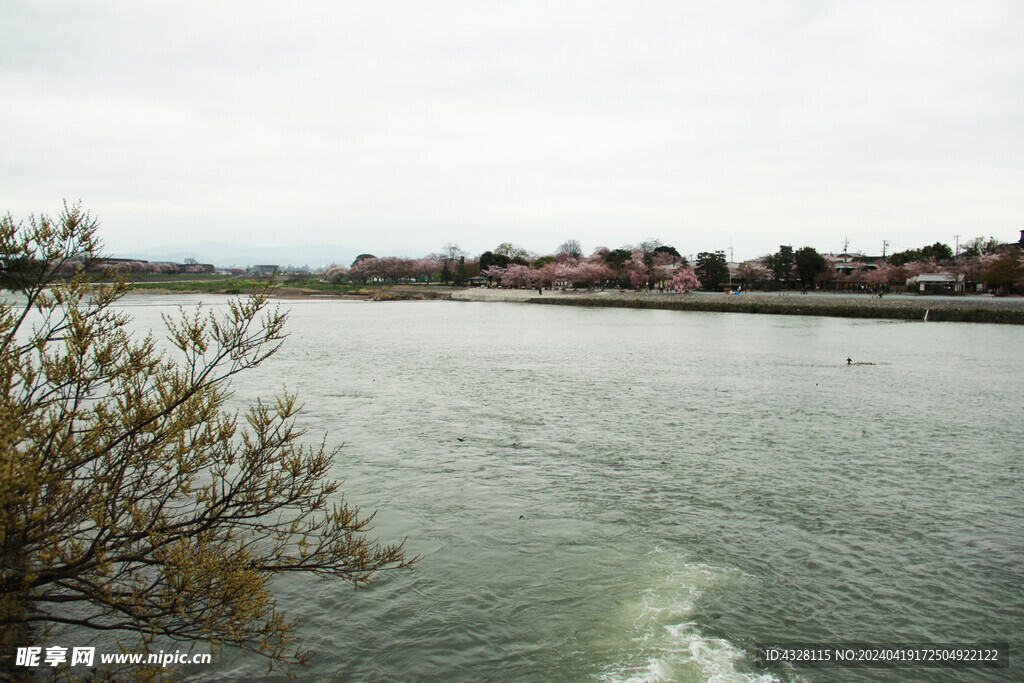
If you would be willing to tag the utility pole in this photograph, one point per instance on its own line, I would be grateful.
(956, 254)
(885, 243)
(729, 265)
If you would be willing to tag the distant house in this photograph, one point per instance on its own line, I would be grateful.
(848, 263)
(843, 263)
(937, 283)
(263, 270)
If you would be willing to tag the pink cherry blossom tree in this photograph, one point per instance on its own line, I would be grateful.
(639, 274)
(590, 273)
(753, 271)
(684, 280)
(495, 273)
(880, 276)
(973, 266)
(915, 268)
(518, 276)
(548, 274)
(336, 274)
(425, 267)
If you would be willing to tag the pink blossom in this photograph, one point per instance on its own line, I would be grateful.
(684, 280)
(637, 279)
(518, 276)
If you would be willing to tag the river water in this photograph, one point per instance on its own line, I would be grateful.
(626, 495)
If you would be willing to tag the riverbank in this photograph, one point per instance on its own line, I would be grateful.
(980, 309)
(1005, 310)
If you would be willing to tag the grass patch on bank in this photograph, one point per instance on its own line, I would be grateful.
(220, 286)
(296, 287)
(172, 277)
(375, 291)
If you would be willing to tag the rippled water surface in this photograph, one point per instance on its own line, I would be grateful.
(644, 495)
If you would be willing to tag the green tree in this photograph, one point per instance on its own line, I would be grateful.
(781, 264)
(489, 258)
(362, 257)
(1004, 273)
(712, 269)
(902, 258)
(666, 249)
(809, 265)
(979, 246)
(616, 258)
(130, 500)
(937, 251)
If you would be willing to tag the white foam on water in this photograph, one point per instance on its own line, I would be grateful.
(663, 643)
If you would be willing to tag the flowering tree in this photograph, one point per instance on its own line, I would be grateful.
(753, 271)
(915, 268)
(494, 273)
(364, 269)
(666, 258)
(390, 268)
(548, 274)
(431, 265)
(637, 279)
(590, 273)
(639, 273)
(423, 268)
(880, 276)
(855, 276)
(564, 273)
(336, 274)
(684, 280)
(518, 276)
(972, 266)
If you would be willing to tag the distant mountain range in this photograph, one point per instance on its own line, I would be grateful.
(227, 255)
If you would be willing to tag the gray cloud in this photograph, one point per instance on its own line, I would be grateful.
(403, 126)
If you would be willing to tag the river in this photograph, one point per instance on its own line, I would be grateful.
(629, 495)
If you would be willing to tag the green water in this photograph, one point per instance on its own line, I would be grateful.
(646, 495)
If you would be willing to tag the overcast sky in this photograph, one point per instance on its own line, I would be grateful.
(397, 127)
